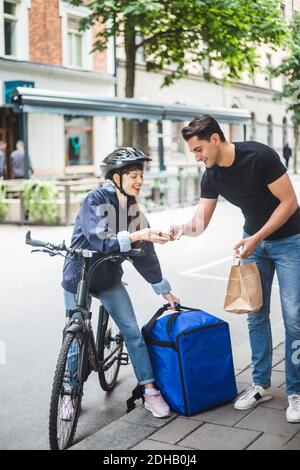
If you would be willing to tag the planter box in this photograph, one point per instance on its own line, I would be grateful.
(14, 210)
(74, 209)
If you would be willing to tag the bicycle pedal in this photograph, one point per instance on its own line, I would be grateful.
(124, 359)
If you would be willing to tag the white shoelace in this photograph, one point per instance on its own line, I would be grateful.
(294, 402)
(158, 398)
(249, 392)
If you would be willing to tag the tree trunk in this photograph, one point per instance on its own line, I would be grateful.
(130, 52)
(296, 144)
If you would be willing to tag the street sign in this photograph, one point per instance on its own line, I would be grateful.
(9, 87)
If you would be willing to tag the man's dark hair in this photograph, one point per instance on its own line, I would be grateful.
(203, 127)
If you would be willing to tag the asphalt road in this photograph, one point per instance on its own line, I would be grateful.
(32, 318)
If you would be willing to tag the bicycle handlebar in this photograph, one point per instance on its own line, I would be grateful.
(51, 247)
(30, 241)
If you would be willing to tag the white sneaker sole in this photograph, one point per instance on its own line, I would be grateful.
(249, 407)
(293, 420)
(148, 407)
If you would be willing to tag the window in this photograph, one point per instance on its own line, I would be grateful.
(284, 131)
(14, 29)
(206, 66)
(140, 135)
(78, 140)
(269, 65)
(10, 22)
(74, 42)
(282, 9)
(178, 144)
(236, 131)
(140, 55)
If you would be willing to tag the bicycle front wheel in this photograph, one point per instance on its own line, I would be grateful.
(110, 345)
(67, 393)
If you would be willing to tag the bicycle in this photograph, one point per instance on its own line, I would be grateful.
(104, 356)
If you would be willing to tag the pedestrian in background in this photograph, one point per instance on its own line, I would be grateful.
(2, 157)
(287, 153)
(17, 162)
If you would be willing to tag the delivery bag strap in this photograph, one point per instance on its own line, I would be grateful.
(174, 317)
(148, 328)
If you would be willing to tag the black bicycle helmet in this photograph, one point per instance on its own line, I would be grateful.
(120, 159)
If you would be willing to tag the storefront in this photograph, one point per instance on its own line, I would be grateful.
(58, 144)
(75, 124)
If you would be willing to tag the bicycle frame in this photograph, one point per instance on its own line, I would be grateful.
(82, 302)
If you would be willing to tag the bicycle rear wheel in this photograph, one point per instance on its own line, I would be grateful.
(110, 345)
(67, 392)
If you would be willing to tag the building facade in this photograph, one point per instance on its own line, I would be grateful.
(41, 47)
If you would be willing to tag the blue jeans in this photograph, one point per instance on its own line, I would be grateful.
(117, 303)
(282, 256)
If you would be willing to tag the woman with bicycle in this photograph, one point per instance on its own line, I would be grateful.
(110, 221)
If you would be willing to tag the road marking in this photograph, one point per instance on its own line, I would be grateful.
(206, 276)
(206, 266)
(195, 272)
(215, 278)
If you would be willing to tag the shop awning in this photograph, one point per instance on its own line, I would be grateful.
(35, 100)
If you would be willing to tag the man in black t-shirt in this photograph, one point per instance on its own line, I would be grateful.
(251, 176)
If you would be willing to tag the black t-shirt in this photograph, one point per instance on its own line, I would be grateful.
(245, 184)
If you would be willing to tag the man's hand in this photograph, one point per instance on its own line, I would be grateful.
(248, 246)
(171, 299)
(175, 232)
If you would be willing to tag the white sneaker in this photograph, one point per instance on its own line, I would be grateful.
(293, 411)
(66, 408)
(253, 396)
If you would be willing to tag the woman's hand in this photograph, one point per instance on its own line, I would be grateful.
(171, 299)
(150, 235)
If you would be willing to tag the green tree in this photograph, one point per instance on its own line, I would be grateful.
(178, 33)
(290, 69)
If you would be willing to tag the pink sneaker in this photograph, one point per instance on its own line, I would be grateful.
(66, 408)
(155, 403)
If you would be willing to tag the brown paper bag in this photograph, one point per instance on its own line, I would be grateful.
(244, 291)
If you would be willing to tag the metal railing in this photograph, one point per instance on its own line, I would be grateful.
(160, 190)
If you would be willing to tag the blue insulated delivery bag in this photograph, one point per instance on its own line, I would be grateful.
(191, 356)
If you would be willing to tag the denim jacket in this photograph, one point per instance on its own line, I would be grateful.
(94, 229)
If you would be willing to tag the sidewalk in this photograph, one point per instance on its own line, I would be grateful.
(262, 428)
